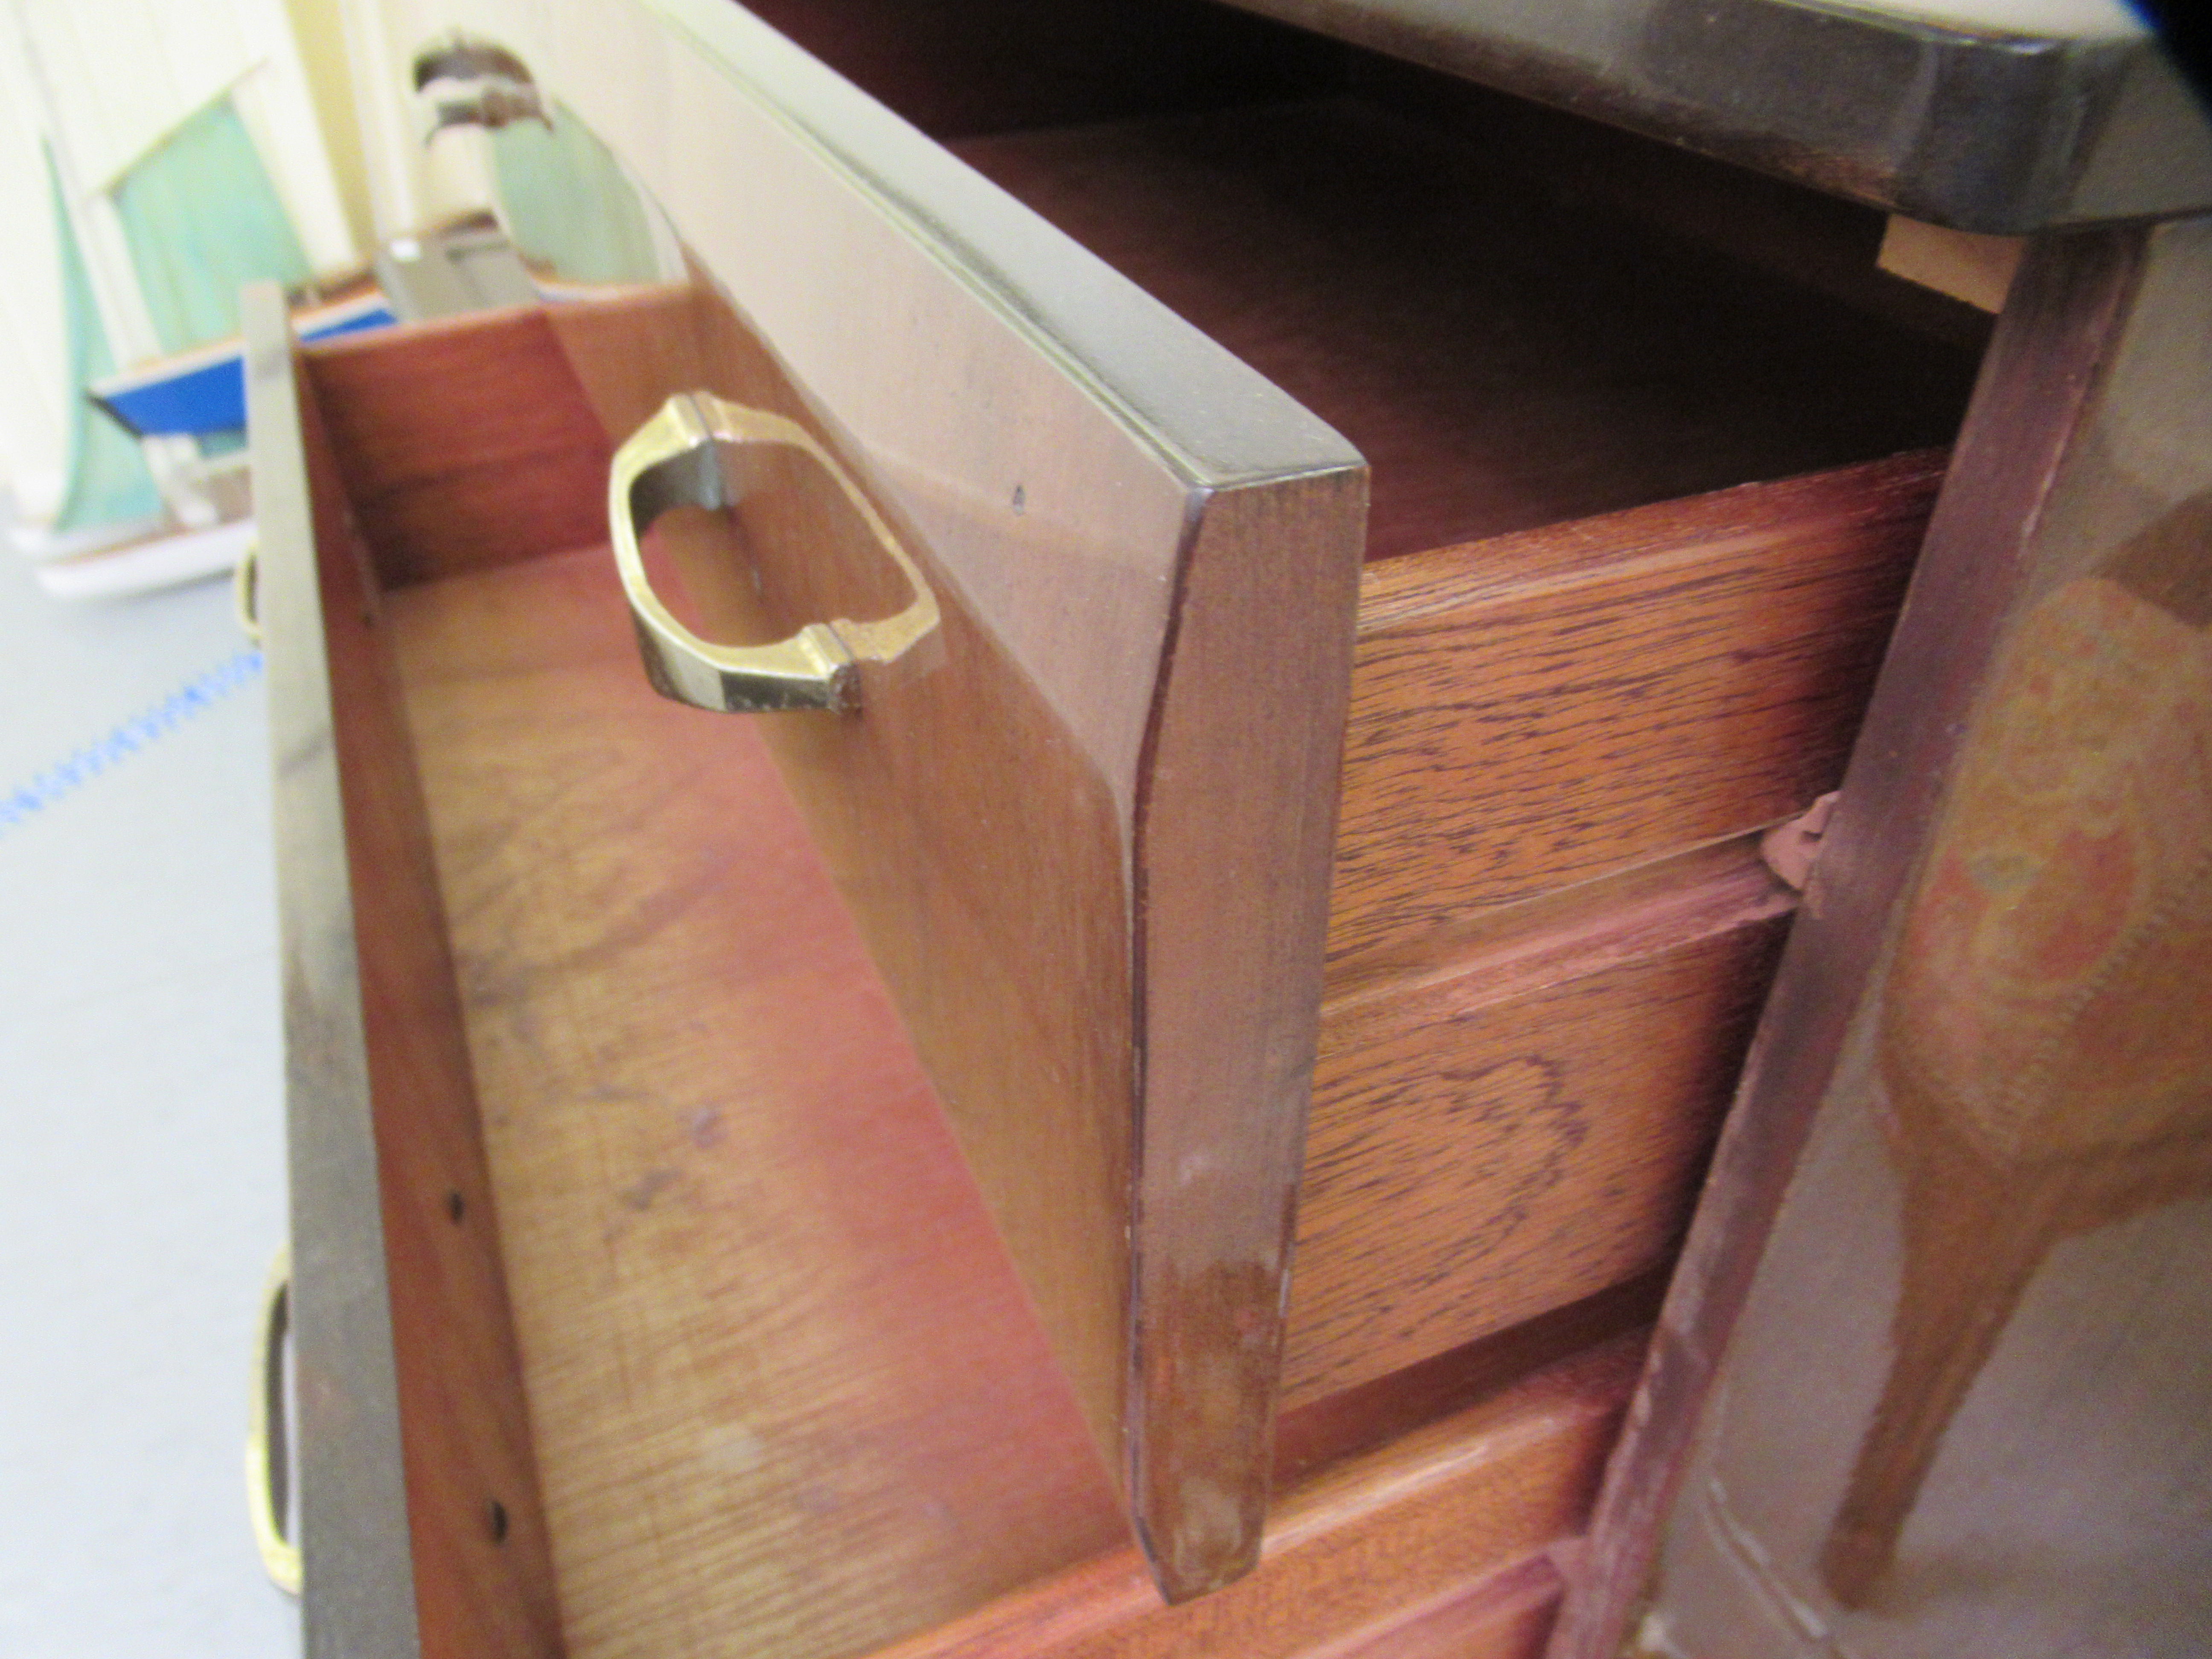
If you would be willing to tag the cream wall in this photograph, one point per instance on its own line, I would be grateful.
(33, 365)
(98, 83)
(318, 27)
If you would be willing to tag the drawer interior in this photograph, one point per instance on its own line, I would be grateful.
(756, 1295)
(1505, 354)
(773, 1383)
(641, 1100)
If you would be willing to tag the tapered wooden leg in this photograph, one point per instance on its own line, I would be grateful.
(1973, 1242)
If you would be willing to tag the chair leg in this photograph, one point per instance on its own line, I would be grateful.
(1973, 1243)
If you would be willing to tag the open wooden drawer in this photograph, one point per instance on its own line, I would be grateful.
(641, 1301)
(781, 1387)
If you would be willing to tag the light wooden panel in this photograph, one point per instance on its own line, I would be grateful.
(1370, 1415)
(1544, 708)
(462, 442)
(1506, 1616)
(788, 1398)
(1437, 1529)
(1524, 1125)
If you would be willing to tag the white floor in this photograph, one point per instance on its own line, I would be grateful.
(142, 1177)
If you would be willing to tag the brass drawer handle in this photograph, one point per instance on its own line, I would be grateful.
(246, 591)
(684, 456)
(268, 1456)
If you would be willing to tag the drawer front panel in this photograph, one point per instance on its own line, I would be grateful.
(1551, 708)
(1526, 1127)
(1085, 826)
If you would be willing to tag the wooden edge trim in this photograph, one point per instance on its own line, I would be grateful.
(359, 1591)
(1502, 1613)
(1486, 1489)
(1235, 833)
(1578, 930)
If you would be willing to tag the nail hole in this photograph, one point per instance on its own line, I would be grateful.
(1021, 499)
(456, 1207)
(495, 1521)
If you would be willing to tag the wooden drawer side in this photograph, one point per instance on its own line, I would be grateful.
(380, 1049)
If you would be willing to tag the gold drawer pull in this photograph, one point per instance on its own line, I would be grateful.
(246, 591)
(268, 1453)
(691, 454)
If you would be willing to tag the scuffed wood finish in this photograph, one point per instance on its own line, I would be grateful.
(474, 1530)
(462, 442)
(1230, 927)
(1505, 355)
(1520, 1126)
(788, 1398)
(1423, 1548)
(2075, 470)
(1155, 950)
(1545, 708)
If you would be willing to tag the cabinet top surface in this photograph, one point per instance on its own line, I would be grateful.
(2004, 116)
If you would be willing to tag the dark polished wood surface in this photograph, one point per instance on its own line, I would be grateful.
(352, 1512)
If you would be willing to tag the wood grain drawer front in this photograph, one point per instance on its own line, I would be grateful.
(1555, 707)
(1525, 1125)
